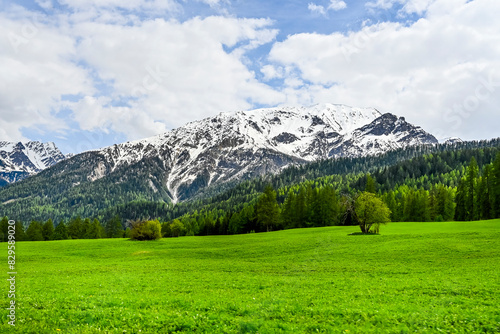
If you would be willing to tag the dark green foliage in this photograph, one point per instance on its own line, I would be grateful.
(34, 232)
(418, 184)
(4, 226)
(145, 230)
(267, 210)
(20, 233)
(76, 229)
(95, 230)
(495, 187)
(48, 230)
(61, 231)
(127, 190)
(114, 228)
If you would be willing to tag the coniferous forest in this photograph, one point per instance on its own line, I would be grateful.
(443, 183)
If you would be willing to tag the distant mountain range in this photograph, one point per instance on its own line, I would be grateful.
(22, 159)
(229, 147)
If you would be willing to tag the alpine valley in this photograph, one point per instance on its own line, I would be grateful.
(198, 158)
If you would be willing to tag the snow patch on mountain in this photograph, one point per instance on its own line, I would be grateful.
(233, 145)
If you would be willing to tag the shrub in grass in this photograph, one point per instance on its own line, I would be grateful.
(145, 230)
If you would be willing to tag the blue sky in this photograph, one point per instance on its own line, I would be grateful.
(90, 73)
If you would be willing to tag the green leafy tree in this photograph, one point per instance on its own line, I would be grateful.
(176, 228)
(145, 230)
(267, 210)
(371, 212)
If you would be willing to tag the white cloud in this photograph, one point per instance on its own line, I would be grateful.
(177, 72)
(422, 71)
(316, 9)
(335, 5)
(215, 3)
(418, 7)
(37, 71)
(157, 74)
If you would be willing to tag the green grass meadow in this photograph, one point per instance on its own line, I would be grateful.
(413, 278)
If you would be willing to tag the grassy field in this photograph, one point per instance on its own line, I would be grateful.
(415, 277)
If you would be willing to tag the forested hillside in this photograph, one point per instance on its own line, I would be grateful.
(425, 183)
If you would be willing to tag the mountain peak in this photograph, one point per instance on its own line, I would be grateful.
(21, 159)
(232, 146)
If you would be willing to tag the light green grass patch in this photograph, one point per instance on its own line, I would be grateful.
(414, 277)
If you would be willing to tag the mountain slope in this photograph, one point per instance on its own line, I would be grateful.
(208, 154)
(19, 160)
(233, 146)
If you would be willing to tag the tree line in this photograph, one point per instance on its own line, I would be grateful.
(435, 187)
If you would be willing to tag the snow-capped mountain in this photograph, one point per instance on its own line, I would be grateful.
(237, 145)
(21, 159)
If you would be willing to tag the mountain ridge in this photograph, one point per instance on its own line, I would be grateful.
(233, 145)
(19, 160)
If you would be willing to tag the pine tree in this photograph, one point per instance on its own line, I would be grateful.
(289, 214)
(34, 231)
(267, 210)
(461, 199)
(95, 230)
(471, 181)
(61, 231)
(20, 233)
(495, 175)
(114, 228)
(4, 229)
(48, 230)
(371, 186)
(75, 228)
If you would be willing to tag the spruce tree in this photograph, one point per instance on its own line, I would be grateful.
(495, 182)
(61, 231)
(471, 181)
(48, 230)
(267, 210)
(34, 231)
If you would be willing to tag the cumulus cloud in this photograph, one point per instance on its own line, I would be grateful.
(139, 79)
(37, 72)
(335, 5)
(442, 72)
(177, 72)
(316, 9)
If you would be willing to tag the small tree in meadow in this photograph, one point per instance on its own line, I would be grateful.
(145, 230)
(371, 212)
